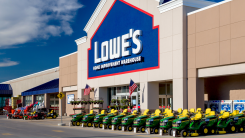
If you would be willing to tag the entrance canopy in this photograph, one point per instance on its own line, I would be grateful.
(5, 89)
(49, 87)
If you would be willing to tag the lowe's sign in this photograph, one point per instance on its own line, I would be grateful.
(126, 41)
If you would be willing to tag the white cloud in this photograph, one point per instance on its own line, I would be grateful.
(24, 20)
(7, 62)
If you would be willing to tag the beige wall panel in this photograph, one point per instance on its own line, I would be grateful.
(166, 44)
(64, 80)
(143, 5)
(207, 19)
(108, 81)
(74, 59)
(178, 94)
(225, 32)
(225, 52)
(155, 75)
(191, 40)
(83, 64)
(237, 11)
(143, 76)
(192, 73)
(84, 51)
(166, 28)
(191, 24)
(237, 94)
(207, 37)
(166, 65)
(61, 63)
(178, 20)
(178, 64)
(207, 55)
(237, 50)
(66, 70)
(67, 61)
(178, 42)
(191, 58)
(238, 29)
(73, 77)
(125, 78)
(225, 13)
(74, 68)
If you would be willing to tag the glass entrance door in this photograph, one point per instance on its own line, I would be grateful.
(165, 96)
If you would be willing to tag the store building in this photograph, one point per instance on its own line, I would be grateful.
(139, 40)
(216, 61)
(38, 87)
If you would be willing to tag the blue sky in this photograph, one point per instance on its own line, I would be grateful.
(34, 34)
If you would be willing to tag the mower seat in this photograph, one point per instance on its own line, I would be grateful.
(125, 111)
(207, 112)
(199, 110)
(235, 112)
(91, 111)
(212, 113)
(112, 111)
(225, 115)
(146, 112)
(198, 116)
(184, 113)
(169, 113)
(157, 112)
(102, 112)
(115, 112)
(192, 110)
(222, 112)
(134, 112)
(179, 110)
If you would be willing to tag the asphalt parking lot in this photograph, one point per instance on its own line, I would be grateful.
(49, 128)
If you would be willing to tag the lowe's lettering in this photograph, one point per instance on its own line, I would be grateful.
(117, 47)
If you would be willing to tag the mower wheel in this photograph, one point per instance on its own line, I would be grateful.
(212, 131)
(119, 127)
(73, 123)
(89, 124)
(241, 128)
(78, 123)
(170, 132)
(96, 125)
(184, 133)
(129, 128)
(142, 129)
(205, 130)
(109, 126)
(233, 128)
(54, 117)
(100, 125)
(155, 130)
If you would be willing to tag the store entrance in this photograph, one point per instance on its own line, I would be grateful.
(165, 96)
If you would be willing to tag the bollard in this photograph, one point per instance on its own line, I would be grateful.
(135, 129)
(123, 128)
(7, 117)
(160, 132)
(174, 133)
(82, 124)
(113, 127)
(148, 131)
(69, 124)
(24, 118)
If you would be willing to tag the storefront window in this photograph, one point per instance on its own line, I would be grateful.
(119, 89)
(54, 102)
(40, 98)
(28, 100)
